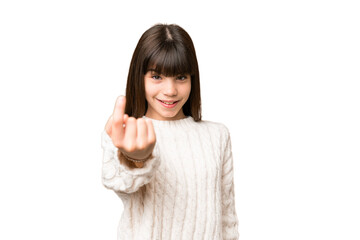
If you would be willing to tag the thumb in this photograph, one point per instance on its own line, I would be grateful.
(108, 125)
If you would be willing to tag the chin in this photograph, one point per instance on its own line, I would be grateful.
(169, 115)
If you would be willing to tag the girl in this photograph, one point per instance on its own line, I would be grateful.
(172, 170)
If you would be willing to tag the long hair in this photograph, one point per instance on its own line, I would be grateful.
(170, 51)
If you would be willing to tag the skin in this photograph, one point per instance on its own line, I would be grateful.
(159, 87)
(136, 138)
(133, 137)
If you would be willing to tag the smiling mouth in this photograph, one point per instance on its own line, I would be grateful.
(168, 103)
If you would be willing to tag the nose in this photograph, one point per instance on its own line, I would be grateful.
(170, 87)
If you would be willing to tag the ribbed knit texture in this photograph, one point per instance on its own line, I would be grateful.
(185, 191)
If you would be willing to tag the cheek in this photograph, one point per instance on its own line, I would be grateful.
(187, 89)
(148, 89)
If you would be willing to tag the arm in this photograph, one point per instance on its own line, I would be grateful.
(229, 216)
(119, 175)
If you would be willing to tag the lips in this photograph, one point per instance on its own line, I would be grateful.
(168, 101)
(168, 104)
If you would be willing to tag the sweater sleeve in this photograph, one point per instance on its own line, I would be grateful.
(229, 216)
(120, 178)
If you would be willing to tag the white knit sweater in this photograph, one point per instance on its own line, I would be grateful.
(185, 191)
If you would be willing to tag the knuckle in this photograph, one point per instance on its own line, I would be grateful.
(141, 121)
(115, 118)
(131, 119)
(117, 144)
(130, 147)
(141, 146)
(152, 140)
(116, 123)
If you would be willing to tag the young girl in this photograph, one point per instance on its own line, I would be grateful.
(172, 170)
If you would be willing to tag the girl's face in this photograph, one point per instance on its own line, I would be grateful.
(166, 95)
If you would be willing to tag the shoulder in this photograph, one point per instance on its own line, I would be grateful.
(215, 125)
(217, 128)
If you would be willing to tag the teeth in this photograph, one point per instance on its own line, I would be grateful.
(168, 103)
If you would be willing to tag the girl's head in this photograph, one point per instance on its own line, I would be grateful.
(164, 67)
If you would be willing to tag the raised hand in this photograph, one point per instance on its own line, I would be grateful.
(134, 137)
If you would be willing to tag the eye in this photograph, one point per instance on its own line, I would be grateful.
(156, 77)
(181, 77)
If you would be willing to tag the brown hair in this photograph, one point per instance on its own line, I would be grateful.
(170, 51)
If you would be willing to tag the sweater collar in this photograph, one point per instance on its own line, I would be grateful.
(187, 121)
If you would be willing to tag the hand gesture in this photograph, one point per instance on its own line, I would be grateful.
(134, 137)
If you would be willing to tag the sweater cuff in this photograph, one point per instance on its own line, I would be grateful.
(119, 177)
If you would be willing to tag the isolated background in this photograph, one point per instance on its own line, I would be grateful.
(282, 75)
